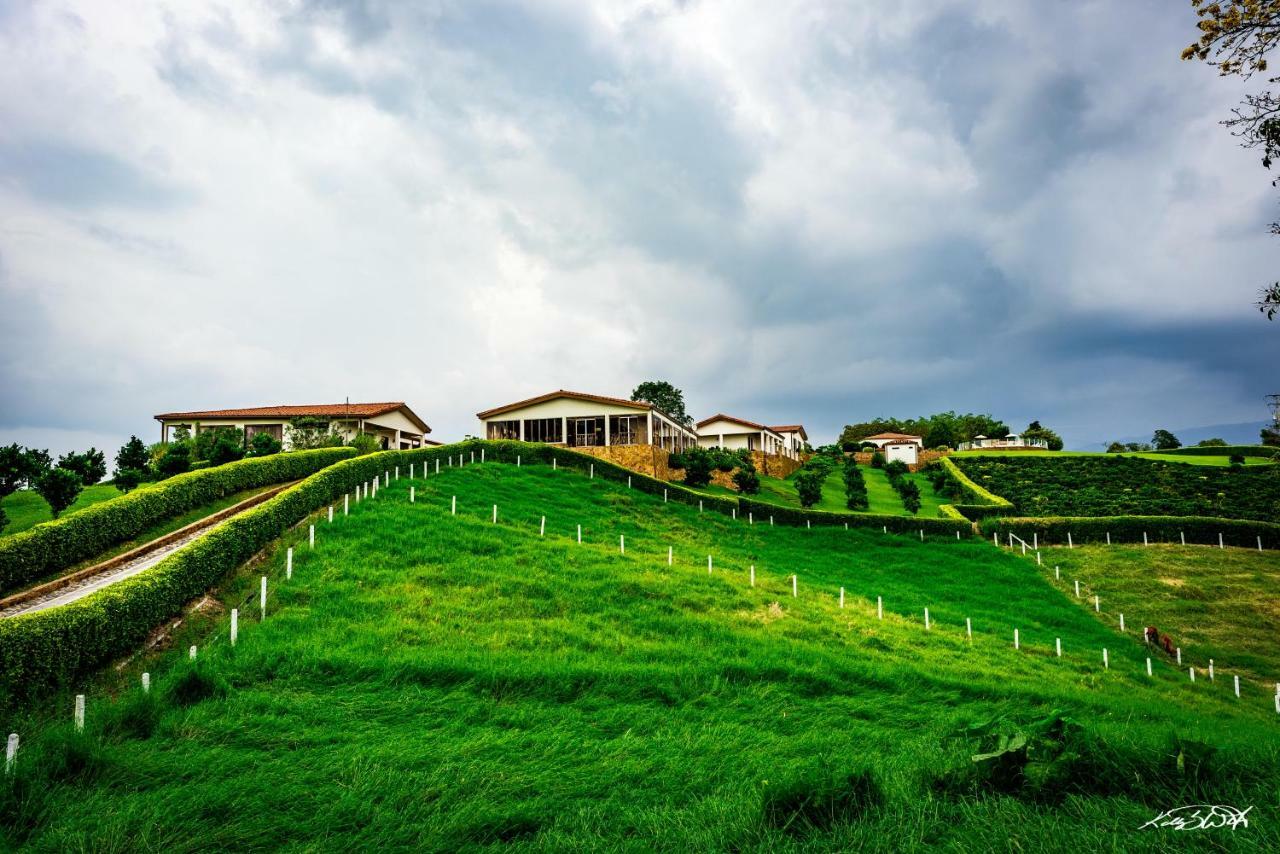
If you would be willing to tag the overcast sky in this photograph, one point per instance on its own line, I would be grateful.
(795, 211)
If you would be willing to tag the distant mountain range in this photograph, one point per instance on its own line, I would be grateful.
(1244, 433)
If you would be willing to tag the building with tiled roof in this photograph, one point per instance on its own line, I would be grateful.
(393, 423)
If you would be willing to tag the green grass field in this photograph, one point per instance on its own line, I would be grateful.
(440, 682)
(26, 509)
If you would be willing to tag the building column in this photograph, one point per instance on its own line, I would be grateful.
(606, 431)
(648, 426)
(521, 434)
(564, 430)
(397, 439)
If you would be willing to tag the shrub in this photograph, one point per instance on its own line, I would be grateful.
(855, 487)
(809, 486)
(32, 554)
(133, 455)
(895, 469)
(219, 445)
(365, 443)
(127, 479)
(60, 487)
(262, 445)
(176, 459)
(877, 459)
(747, 481)
(1211, 443)
(1200, 530)
(697, 464)
(1236, 459)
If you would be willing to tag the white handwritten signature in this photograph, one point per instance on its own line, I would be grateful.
(1201, 817)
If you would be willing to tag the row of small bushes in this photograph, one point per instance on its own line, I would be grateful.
(1200, 530)
(1224, 451)
(975, 502)
(52, 546)
(897, 524)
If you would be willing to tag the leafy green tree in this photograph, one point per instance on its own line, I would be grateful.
(808, 483)
(855, 487)
(176, 459)
(877, 459)
(747, 481)
(91, 466)
(37, 462)
(133, 455)
(365, 443)
(697, 464)
(1211, 443)
(1163, 440)
(910, 493)
(262, 445)
(13, 469)
(60, 487)
(309, 432)
(665, 396)
(1115, 448)
(127, 480)
(4, 519)
(1051, 439)
(942, 434)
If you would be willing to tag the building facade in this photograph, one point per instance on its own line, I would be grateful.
(394, 424)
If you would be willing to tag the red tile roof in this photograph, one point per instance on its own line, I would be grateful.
(892, 436)
(722, 417)
(791, 428)
(552, 395)
(332, 410)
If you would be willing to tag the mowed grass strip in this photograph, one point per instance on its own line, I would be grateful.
(440, 682)
(26, 508)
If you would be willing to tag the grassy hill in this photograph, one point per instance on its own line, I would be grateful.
(26, 508)
(439, 682)
(881, 495)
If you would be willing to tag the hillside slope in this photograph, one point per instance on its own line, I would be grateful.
(438, 682)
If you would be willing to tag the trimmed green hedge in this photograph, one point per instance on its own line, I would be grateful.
(1224, 451)
(51, 546)
(1201, 530)
(980, 502)
(897, 524)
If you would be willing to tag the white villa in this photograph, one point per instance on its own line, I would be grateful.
(898, 446)
(795, 439)
(725, 431)
(1011, 442)
(578, 420)
(394, 423)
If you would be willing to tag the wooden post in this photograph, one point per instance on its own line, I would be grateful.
(542, 527)
(926, 619)
(753, 578)
(1144, 539)
(1182, 537)
(78, 715)
(995, 539)
(1211, 670)
(1057, 645)
(879, 608)
(1220, 545)
(1057, 574)
(311, 536)
(795, 586)
(1192, 671)
(1148, 666)
(288, 562)
(593, 471)
(1106, 662)
(968, 628)
(841, 597)
(1077, 588)
(751, 519)
(734, 512)
(330, 514)
(1108, 538)
(1179, 654)
(495, 514)
(262, 597)
(1035, 540)
(410, 471)
(579, 535)
(1097, 604)
(11, 753)
(1070, 544)
(235, 624)
(346, 504)
(1122, 622)
(412, 494)
(622, 544)
(1237, 679)
(708, 564)
(397, 472)
(437, 465)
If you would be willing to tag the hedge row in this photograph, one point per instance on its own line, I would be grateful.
(980, 502)
(49, 547)
(1224, 451)
(1201, 530)
(48, 649)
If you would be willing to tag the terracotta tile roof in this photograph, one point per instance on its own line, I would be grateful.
(722, 417)
(791, 428)
(892, 436)
(332, 410)
(576, 395)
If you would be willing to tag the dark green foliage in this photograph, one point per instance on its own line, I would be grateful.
(1163, 440)
(665, 396)
(1220, 450)
(1120, 486)
(809, 487)
(877, 459)
(133, 455)
(897, 468)
(819, 800)
(364, 443)
(309, 433)
(1199, 530)
(697, 464)
(1035, 431)
(944, 428)
(1236, 459)
(896, 471)
(90, 467)
(263, 445)
(37, 462)
(176, 459)
(218, 445)
(4, 519)
(20, 467)
(195, 684)
(1211, 443)
(60, 487)
(127, 479)
(52, 546)
(1115, 448)
(855, 487)
(747, 481)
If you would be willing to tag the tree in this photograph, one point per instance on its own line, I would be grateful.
(133, 455)
(219, 445)
(1163, 440)
(60, 487)
(13, 469)
(176, 459)
(127, 480)
(809, 486)
(747, 481)
(37, 462)
(855, 487)
(1051, 439)
(1235, 37)
(91, 466)
(941, 434)
(1115, 448)
(262, 445)
(308, 432)
(666, 397)
(697, 464)
(1211, 443)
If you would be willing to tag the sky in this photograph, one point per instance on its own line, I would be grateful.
(794, 211)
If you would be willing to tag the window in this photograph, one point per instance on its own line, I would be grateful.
(275, 431)
(543, 430)
(586, 432)
(502, 430)
(626, 430)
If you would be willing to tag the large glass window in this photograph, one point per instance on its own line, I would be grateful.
(543, 430)
(275, 431)
(503, 430)
(626, 429)
(586, 432)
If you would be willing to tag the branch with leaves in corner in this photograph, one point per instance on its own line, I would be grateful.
(1235, 37)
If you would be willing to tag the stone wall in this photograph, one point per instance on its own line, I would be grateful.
(645, 459)
(774, 465)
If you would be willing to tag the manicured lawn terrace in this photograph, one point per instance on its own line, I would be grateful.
(881, 496)
(441, 682)
(26, 508)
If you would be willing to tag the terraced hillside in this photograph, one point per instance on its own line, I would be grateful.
(435, 681)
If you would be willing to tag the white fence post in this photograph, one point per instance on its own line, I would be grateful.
(1122, 622)
(670, 555)
(879, 608)
(1057, 646)
(1097, 604)
(542, 527)
(1179, 655)
(311, 536)
(262, 597)
(412, 494)
(795, 581)
(1070, 544)
(495, 514)
(1108, 538)
(622, 544)
(78, 716)
(708, 564)
(1144, 539)
(235, 625)
(753, 581)
(1106, 662)
(1148, 667)
(1077, 588)
(579, 535)
(1211, 670)
(1220, 545)
(1182, 536)
(330, 514)
(1237, 679)
(346, 504)
(453, 506)
(841, 597)
(926, 619)
(288, 562)
(1017, 641)
(191, 653)
(146, 683)
(11, 753)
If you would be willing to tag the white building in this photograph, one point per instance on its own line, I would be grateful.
(898, 446)
(734, 434)
(579, 420)
(393, 423)
(795, 439)
(1012, 441)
